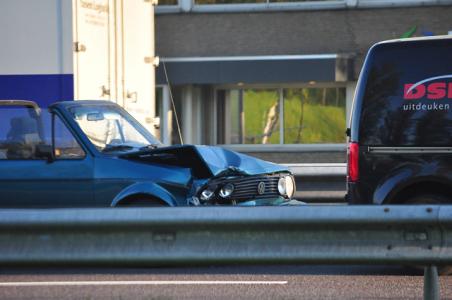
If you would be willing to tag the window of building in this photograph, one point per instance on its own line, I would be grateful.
(254, 116)
(314, 115)
(168, 2)
(256, 1)
(307, 115)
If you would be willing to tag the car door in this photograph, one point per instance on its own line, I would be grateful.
(30, 180)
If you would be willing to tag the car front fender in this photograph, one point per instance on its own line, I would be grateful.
(145, 188)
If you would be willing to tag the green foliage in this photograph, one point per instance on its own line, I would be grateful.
(321, 124)
(310, 116)
(257, 105)
(409, 33)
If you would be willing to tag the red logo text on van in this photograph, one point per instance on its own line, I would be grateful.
(434, 90)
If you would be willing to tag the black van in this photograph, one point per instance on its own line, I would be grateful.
(400, 135)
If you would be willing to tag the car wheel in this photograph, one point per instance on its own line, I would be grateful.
(427, 199)
(434, 200)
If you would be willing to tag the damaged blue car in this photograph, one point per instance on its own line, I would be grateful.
(94, 154)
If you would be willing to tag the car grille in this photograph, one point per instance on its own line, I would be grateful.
(246, 188)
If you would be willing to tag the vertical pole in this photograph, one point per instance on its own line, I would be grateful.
(166, 127)
(187, 114)
(281, 115)
(431, 283)
(186, 5)
(241, 118)
(214, 120)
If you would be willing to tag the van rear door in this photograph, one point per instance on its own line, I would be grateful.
(407, 100)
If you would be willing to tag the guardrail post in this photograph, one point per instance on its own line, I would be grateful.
(431, 283)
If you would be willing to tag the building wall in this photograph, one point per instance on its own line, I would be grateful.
(344, 31)
(350, 31)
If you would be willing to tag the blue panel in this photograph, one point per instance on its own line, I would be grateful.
(43, 89)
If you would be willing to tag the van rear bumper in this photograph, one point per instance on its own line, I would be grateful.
(355, 195)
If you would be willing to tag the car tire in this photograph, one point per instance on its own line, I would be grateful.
(427, 199)
(434, 200)
(143, 202)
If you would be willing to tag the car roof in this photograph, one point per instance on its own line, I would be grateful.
(25, 103)
(16, 102)
(67, 104)
(417, 39)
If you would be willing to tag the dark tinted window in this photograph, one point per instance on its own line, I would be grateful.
(66, 146)
(23, 130)
(20, 132)
(408, 96)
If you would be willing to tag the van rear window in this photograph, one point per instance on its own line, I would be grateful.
(408, 95)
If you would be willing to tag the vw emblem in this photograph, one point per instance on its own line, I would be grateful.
(261, 188)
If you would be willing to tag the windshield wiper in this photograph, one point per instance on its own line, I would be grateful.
(111, 148)
(149, 147)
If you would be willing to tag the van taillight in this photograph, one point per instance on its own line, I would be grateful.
(353, 157)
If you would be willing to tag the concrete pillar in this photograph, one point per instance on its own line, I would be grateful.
(187, 114)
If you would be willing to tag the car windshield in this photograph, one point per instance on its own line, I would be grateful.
(111, 129)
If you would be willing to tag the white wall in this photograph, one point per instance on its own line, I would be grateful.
(35, 37)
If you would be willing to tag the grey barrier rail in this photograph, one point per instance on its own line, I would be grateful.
(320, 182)
(402, 235)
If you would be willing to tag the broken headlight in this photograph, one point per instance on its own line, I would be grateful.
(286, 186)
(207, 194)
(226, 190)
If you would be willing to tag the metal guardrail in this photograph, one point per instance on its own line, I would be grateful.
(402, 235)
(320, 182)
(318, 169)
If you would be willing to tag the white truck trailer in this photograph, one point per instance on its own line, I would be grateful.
(54, 50)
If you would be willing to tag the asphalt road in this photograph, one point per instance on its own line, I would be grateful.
(232, 282)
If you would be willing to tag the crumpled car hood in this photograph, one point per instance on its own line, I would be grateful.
(207, 161)
(219, 159)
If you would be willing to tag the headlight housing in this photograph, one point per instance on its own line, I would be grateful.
(226, 190)
(207, 194)
(282, 186)
(286, 186)
(290, 186)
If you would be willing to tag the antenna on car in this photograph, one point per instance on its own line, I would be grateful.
(172, 102)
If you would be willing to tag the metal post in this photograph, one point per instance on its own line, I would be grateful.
(166, 121)
(187, 114)
(242, 133)
(281, 115)
(431, 283)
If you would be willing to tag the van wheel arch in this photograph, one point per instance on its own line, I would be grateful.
(422, 193)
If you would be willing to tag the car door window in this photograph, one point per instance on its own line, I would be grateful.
(24, 130)
(66, 146)
(20, 134)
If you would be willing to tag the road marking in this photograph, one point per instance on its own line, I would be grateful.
(158, 282)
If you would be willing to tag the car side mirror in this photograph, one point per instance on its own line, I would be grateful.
(45, 151)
